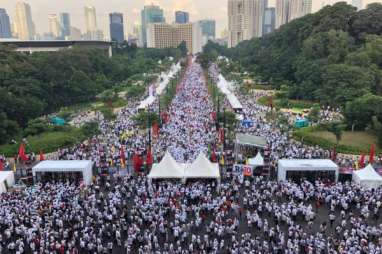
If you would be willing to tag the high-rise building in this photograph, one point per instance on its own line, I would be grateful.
(5, 24)
(245, 20)
(182, 17)
(198, 38)
(159, 35)
(282, 12)
(23, 19)
(288, 10)
(65, 25)
(258, 12)
(358, 4)
(269, 20)
(75, 34)
(116, 27)
(306, 7)
(90, 22)
(295, 7)
(208, 27)
(150, 14)
(54, 26)
(163, 35)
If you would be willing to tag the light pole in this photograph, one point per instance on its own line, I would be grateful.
(224, 125)
(149, 126)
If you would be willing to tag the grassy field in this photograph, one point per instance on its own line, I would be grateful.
(356, 139)
(351, 143)
(47, 142)
(296, 105)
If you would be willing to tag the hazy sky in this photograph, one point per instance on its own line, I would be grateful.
(199, 9)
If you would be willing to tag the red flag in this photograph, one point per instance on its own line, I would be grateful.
(1, 165)
(149, 157)
(42, 157)
(213, 157)
(221, 135)
(22, 155)
(137, 162)
(155, 129)
(213, 116)
(361, 162)
(372, 154)
(122, 155)
(334, 154)
(165, 117)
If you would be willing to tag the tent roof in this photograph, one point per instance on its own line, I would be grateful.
(202, 168)
(368, 173)
(308, 164)
(146, 102)
(235, 103)
(62, 165)
(4, 175)
(258, 160)
(246, 139)
(167, 168)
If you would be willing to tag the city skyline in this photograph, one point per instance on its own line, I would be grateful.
(198, 9)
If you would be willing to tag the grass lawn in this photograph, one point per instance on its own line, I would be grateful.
(295, 105)
(356, 139)
(351, 143)
(47, 142)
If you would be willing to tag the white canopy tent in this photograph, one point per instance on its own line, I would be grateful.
(165, 77)
(226, 88)
(7, 180)
(257, 161)
(367, 177)
(234, 102)
(146, 102)
(202, 168)
(62, 166)
(305, 165)
(168, 168)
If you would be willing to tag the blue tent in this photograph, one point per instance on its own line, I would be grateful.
(57, 121)
(247, 123)
(301, 123)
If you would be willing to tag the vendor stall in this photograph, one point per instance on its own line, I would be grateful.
(61, 170)
(311, 170)
(248, 145)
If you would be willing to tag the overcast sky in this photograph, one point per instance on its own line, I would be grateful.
(199, 9)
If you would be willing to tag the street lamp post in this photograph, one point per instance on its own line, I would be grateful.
(224, 128)
(149, 127)
(159, 113)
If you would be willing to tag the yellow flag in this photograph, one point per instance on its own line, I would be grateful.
(356, 165)
(14, 167)
(222, 160)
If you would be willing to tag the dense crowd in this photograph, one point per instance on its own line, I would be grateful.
(190, 128)
(129, 214)
(249, 215)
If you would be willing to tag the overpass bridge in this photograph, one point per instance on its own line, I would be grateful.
(55, 45)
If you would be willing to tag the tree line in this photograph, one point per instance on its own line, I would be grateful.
(41, 83)
(333, 57)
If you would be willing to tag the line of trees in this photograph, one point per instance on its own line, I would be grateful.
(41, 83)
(333, 57)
